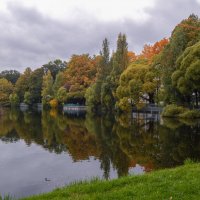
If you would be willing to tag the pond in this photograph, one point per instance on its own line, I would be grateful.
(41, 151)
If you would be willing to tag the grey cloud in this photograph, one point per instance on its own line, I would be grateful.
(30, 39)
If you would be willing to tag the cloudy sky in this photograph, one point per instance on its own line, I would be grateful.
(33, 32)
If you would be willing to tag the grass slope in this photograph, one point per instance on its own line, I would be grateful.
(170, 184)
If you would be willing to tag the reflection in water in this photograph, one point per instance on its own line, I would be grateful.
(119, 144)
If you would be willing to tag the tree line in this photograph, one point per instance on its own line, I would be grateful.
(167, 72)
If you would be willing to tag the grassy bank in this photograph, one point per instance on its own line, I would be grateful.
(179, 183)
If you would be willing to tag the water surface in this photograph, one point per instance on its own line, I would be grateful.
(41, 151)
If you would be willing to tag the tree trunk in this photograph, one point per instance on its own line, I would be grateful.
(151, 98)
(196, 98)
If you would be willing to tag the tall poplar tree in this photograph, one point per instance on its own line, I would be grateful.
(120, 62)
(104, 67)
(94, 92)
(47, 88)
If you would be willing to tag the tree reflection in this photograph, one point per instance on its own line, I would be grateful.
(118, 142)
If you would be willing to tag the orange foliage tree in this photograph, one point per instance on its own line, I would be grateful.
(131, 56)
(79, 75)
(149, 51)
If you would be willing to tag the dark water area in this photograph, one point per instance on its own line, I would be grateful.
(41, 151)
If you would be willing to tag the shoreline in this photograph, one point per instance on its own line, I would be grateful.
(177, 183)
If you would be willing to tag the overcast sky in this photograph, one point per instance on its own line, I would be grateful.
(33, 32)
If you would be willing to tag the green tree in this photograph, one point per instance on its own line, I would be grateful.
(61, 95)
(120, 60)
(137, 86)
(184, 35)
(94, 98)
(35, 85)
(104, 67)
(22, 84)
(10, 75)
(30, 81)
(27, 98)
(186, 78)
(55, 67)
(119, 63)
(14, 99)
(58, 83)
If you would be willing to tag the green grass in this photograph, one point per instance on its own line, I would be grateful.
(181, 183)
(7, 197)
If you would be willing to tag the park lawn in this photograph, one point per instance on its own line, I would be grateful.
(170, 184)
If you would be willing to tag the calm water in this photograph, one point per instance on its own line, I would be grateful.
(42, 151)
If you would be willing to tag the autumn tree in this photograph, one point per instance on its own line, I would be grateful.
(6, 89)
(149, 51)
(131, 56)
(79, 75)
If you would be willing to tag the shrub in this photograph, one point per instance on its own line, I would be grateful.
(53, 103)
(190, 114)
(189, 161)
(173, 110)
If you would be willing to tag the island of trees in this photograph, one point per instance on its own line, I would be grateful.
(166, 73)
